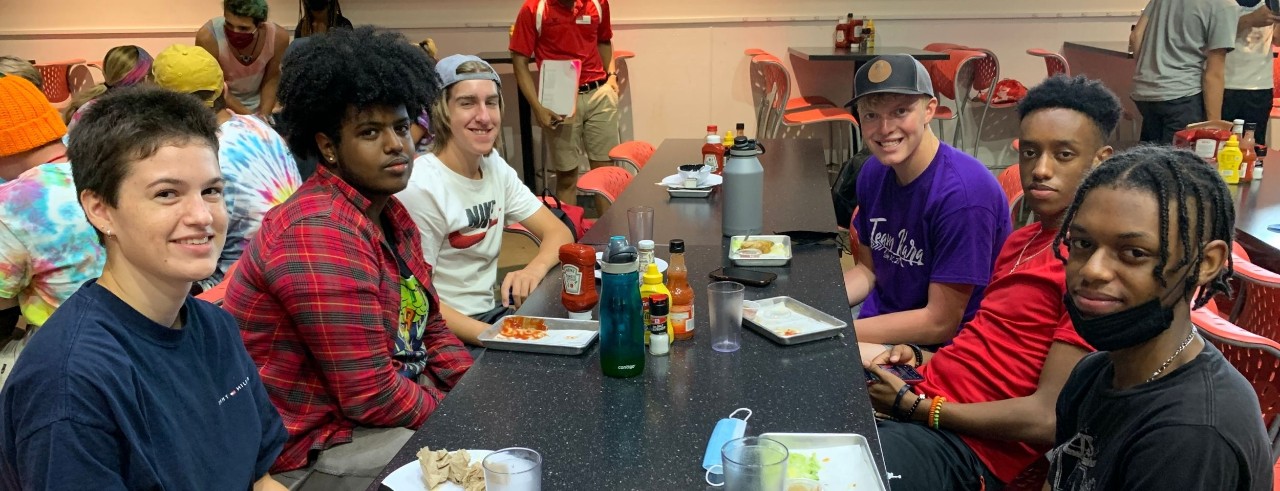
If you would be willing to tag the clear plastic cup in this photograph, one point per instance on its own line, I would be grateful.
(513, 469)
(754, 464)
(725, 301)
(640, 221)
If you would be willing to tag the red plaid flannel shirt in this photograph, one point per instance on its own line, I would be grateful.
(317, 299)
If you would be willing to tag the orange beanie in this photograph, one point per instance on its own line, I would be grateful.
(27, 120)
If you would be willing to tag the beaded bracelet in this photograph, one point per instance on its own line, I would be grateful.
(919, 355)
(935, 411)
(912, 413)
(898, 400)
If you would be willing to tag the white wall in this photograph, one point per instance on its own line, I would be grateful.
(689, 70)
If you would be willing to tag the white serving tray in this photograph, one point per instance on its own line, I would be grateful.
(845, 459)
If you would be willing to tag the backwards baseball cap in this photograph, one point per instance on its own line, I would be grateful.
(27, 120)
(448, 70)
(188, 69)
(892, 74)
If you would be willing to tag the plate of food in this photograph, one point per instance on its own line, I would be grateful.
(676, 181)
(837, 461)
(541, 335)
(788, 321)
(760, 250)
(440, 470)
(662, 264)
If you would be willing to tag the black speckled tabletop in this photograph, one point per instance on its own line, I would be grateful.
(650, 432)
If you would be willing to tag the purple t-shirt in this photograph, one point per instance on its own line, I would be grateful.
(947, 226)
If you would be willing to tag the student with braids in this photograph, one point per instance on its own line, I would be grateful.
(987, 400)
(319, 17)
(1148, 239)
(334, 300)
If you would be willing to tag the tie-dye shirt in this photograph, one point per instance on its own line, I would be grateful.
(47, 247)
(260, 173)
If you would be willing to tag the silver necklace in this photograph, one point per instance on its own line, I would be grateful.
(1024, 250)
(1185, 343)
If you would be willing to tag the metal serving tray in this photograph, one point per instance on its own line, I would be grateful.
(844, 459)
(564, 337)
(809, 324)
(775, 257)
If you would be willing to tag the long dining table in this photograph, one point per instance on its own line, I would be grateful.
(1258, 220)
(650, 432)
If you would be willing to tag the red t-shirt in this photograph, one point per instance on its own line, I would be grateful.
(567, 34)
(1000, 353)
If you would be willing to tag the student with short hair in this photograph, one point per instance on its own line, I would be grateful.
(1180, 48)
(931, 218)
(1148, 239)
(334, 300)
(133, 383)
(1250, 68)
(255, 160)
(463, 193)
(995, 386)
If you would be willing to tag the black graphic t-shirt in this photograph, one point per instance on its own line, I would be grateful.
(1197, 428)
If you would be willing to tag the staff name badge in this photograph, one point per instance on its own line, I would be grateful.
(584, 20)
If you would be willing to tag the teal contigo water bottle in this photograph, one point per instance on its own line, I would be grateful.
(621, 321)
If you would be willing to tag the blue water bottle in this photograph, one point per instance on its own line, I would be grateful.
(621, 320)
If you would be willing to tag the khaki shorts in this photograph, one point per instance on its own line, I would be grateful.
(591, 131)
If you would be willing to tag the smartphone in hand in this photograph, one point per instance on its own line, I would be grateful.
(907, 373)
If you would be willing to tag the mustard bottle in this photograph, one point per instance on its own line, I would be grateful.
(652, 283)
(1229, 160)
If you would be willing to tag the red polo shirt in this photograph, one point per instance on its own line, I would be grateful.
(567, 34)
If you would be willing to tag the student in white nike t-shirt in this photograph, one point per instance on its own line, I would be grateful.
(463, 193)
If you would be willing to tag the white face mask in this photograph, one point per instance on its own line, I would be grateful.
(727, 429)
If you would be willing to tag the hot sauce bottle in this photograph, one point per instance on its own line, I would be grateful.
(579, 267)
(681, 316)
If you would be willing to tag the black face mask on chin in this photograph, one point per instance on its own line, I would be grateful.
(1123, 329)
(1126, 328)
(314, 5)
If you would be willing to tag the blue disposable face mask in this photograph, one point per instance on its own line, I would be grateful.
(727, 429)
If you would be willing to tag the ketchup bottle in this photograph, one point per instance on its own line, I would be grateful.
(579, 267)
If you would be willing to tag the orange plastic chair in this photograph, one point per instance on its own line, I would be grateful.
(985, 80)
(774, 78)
(631, 155)
(609, 182)
(794, 103)
(56, 88)
(1256, 357)
(1054, 63)
(1011, 182)
(218, 292)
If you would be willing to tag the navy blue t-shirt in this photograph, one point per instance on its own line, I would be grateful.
(104, 398)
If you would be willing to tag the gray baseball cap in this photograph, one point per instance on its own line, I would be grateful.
(448, 70)
(892, 74)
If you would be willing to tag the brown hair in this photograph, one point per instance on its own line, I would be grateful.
(118, 63)
(440, 108)
(18, 67)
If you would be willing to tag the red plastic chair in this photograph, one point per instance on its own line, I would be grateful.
(1256, 357)
(609, 182)
(775, 81)
(953, 80)
(1257, 308)
(801, 102)
(1011, 182)
(215, 295)
(1054, 63)
(631, 155)
(56, 87)
(1226, 306)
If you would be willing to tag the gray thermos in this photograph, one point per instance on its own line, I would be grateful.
(743, 189)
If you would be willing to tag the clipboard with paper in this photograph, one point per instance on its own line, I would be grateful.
(558, 85)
